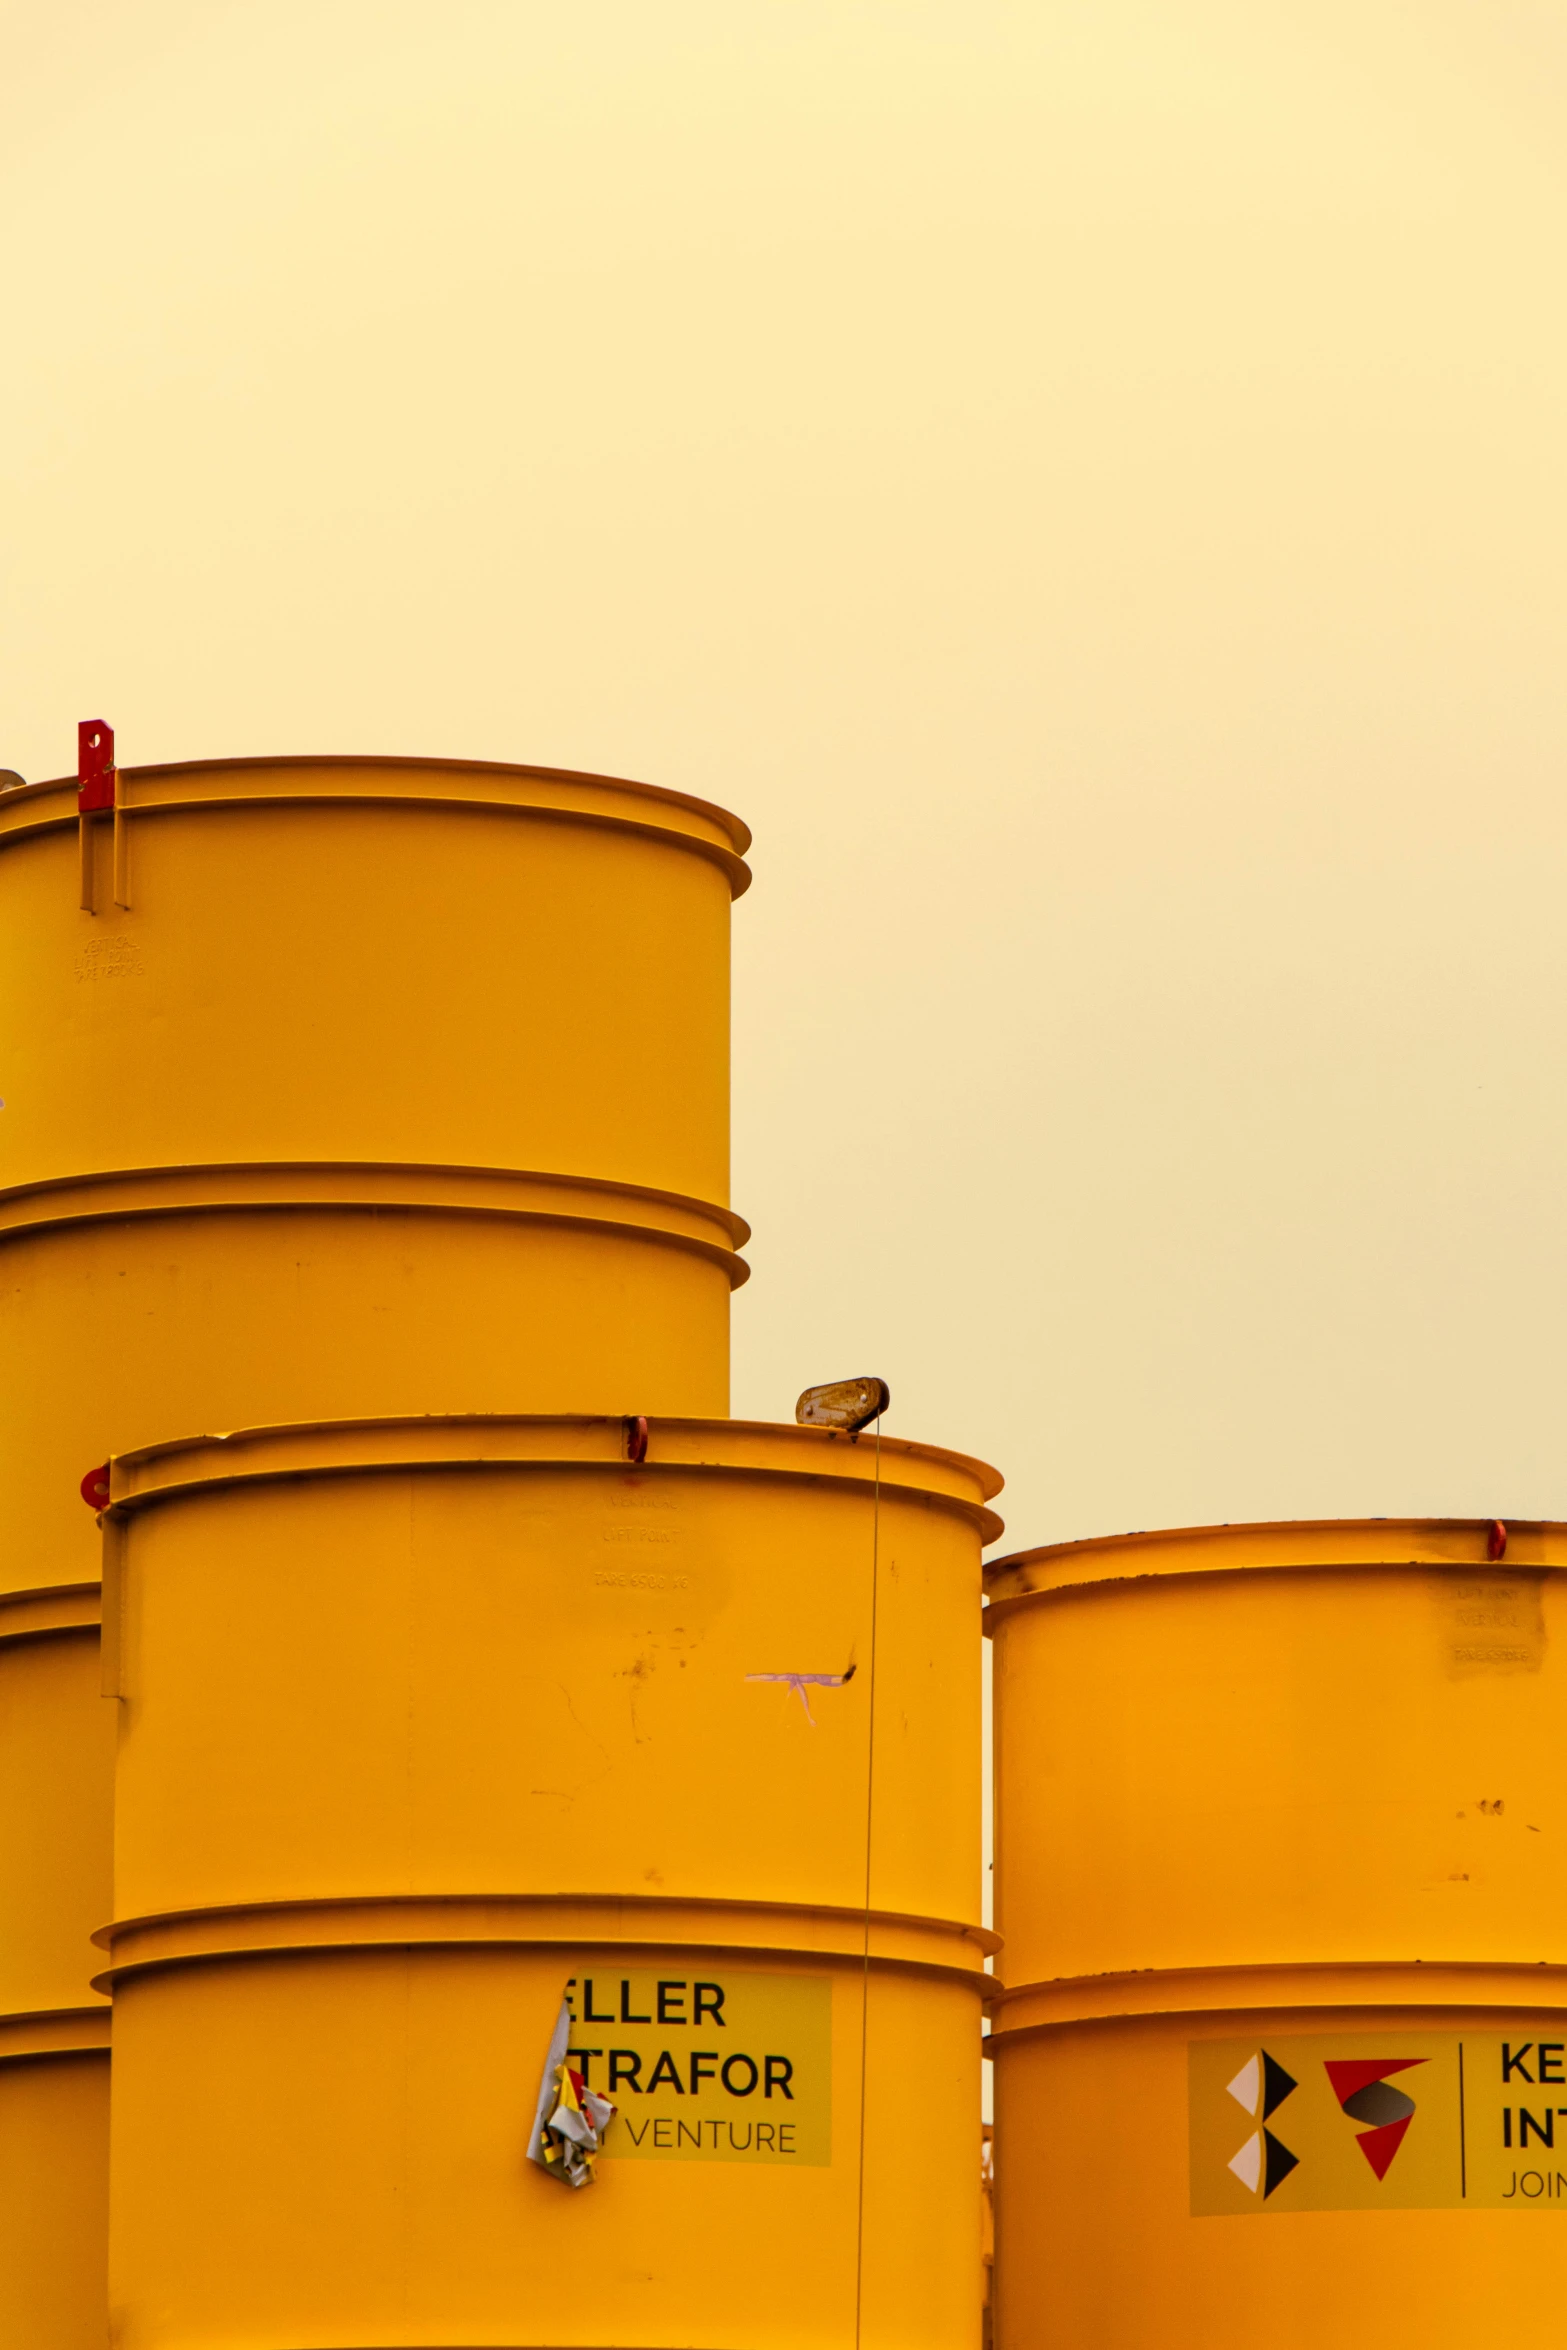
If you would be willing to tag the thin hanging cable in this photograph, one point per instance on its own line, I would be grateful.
(865, 1948)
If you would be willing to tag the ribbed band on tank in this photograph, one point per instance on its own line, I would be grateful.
(566, 1921)
(56, 1609)
(1024, 2008)
(633, 1211)
(54, 2031)
(1288, 1546)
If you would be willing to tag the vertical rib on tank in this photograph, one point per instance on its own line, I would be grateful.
(393, 1086)
(1282, 2051)
(426, 1726)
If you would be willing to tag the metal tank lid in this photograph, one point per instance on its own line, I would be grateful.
(1280, 1545)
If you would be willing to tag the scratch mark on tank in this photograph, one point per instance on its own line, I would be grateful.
(640, 1670)
(581, 1724)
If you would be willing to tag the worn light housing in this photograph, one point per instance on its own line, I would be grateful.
(846, 1404)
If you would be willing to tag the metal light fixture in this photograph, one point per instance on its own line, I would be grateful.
(846, 1404)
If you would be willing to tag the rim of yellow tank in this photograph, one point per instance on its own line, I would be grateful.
(567, 793)
(474, 1439)
(1279, 1545)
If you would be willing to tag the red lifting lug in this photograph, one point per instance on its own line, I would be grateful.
(95, 1488)
(636, 1437)
(1496, 1540)
(94, 766)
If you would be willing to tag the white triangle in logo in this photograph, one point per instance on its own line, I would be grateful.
(1247, 2165)
(1247, 2084)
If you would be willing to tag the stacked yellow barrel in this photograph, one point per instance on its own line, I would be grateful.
(1282, 2052)
(56, 1778)
(426, 1721)
(378, 1109)
(396, 1086)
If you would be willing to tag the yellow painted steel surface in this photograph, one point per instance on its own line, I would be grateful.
(54, 2187)
(1285, 1796)
(399, 1085)
(227, 1320)
(56, 1761)
(391, 1086)
(421, 1721)
(56, 1765)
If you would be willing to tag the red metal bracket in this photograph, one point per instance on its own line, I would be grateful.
(94, 767)
(636, 1436)
(1496, 1540)
(98, 794)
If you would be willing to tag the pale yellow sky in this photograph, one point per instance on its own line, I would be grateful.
(1087, 480)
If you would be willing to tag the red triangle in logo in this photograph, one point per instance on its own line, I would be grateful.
(1380, 2146)
(1347, 2076)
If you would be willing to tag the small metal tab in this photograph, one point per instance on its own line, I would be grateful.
(94, 767)
(97, 794)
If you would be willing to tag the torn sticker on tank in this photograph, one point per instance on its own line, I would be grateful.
(800, 1682)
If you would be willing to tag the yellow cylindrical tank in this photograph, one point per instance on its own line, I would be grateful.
(56, 1765)
(426, 1725)
(54, 2181)
(342, 1086)
(1282, 2048)
(399, 1085)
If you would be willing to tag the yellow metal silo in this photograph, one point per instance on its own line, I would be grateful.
(56, 1764)
(425, 1725)
(330, 1086)
(1282, 2049)
(394, 1078)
